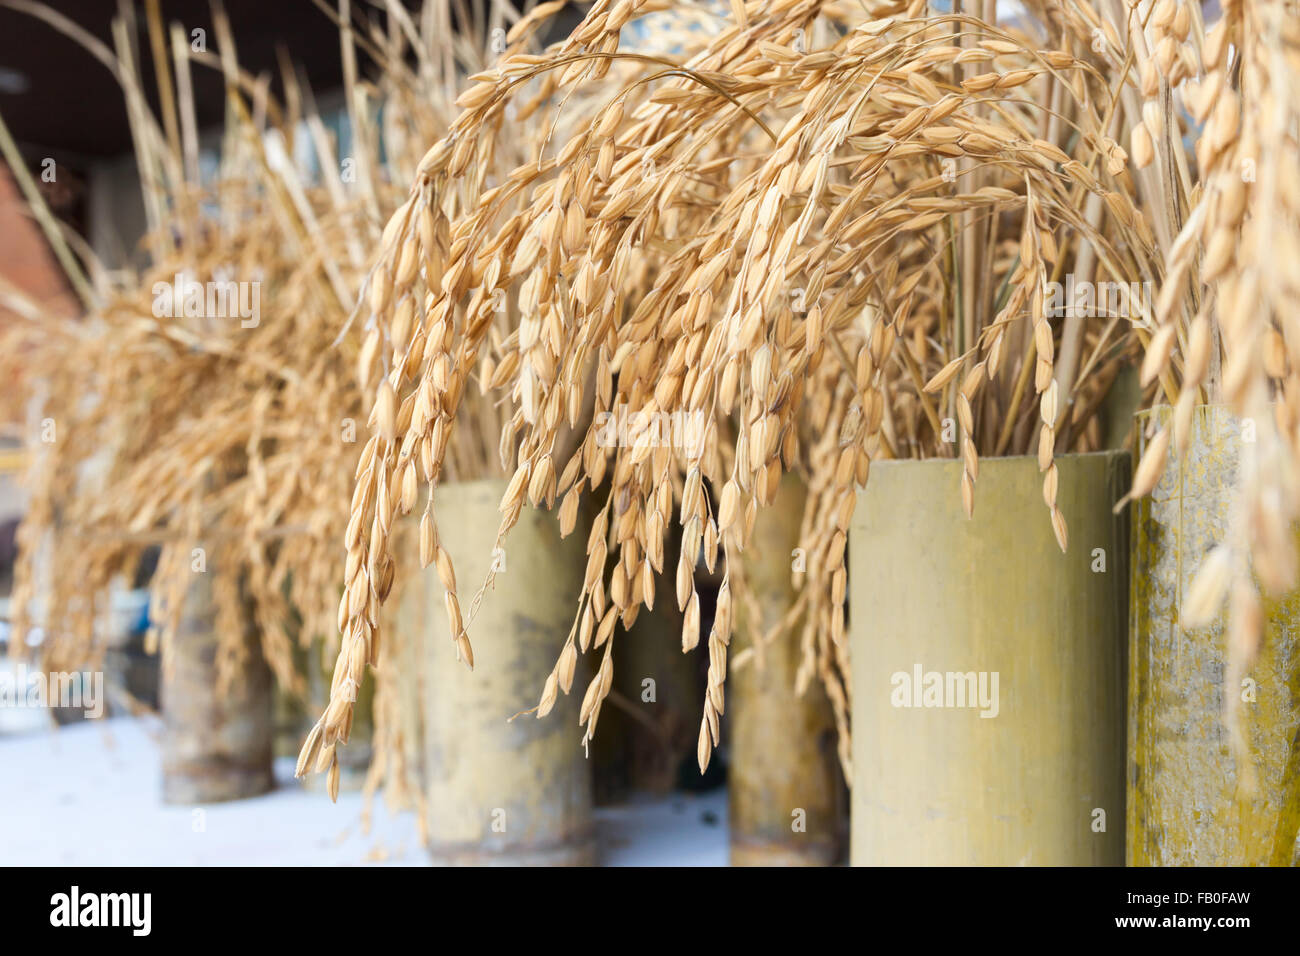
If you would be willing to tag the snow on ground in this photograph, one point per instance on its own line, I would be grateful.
(88, 795)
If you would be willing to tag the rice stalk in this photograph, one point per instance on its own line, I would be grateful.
(215, 437)
(768, 239)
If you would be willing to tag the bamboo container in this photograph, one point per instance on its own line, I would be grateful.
(1184, 804)
(785, 787)
(1039, 781)
(497, 791)
(217, 742)
(296, 712)
(648, 731)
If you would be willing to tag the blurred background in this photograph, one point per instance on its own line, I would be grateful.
(101, 104)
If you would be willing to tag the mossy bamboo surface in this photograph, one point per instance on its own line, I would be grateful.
(1185, 806)
(934, 591)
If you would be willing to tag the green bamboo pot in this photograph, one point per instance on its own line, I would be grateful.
(648, 733)
(296, 712)
(1184, 804)
(988, 686)
(354, 759)
(785, 787)
(217, 743)
(496, 791)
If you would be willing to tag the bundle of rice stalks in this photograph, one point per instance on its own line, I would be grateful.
(849, 224)
(212, 405)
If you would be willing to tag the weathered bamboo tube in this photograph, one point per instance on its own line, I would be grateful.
(217, 741)
(1009, 627)
(649, 726)
(1184, 804)
(293, 712)
(665, 740)
(296, 709)
(497, 791)
(787, 805)
(354, 758)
